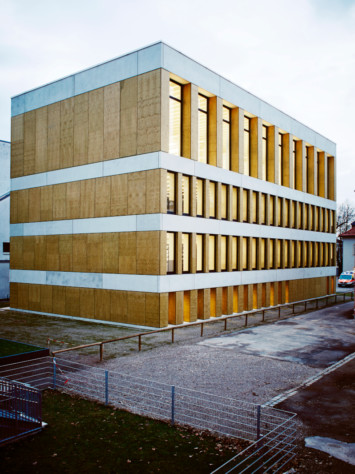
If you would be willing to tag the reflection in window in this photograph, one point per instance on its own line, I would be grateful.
(224, 202)
(247, 146)
(185, 253)
(212, 196)
(185, 184)
(170, 193)
(199, 253)
(170, 252)
(175, 118)
(226, 137)
(264, 167)
(223, 253)
(202, 128)
(212, 253)
(199, 197)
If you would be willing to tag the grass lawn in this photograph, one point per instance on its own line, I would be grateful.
(8, 348)
(83, 436)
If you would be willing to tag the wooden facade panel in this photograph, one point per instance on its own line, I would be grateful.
(29, 147)
(119, 195)
(127, 253)
(102, 304)
(46, 299)
(110, 244)
(14, 295)
(137, 193)
(16, 256)
(79, 253)
(81, 129)
(14, 207)
(94, 253)
(87, 302)
(58, 299)
(152, 311)
(153, 190)
(102, 196)
(34, 297)
(34, 204)
(41, 140)
(87, 198)
(111, 121)
(28, 253)
(22, 206)
(136, 307)
(53, 144)
(67, 132)
(52, 248)
(128, 117)
(17, 138)
(149, 112)
(47, 203)
(148, 253)
(40, 262)
(22, 298)
(96, 125)
(60, 201)
(65, 253)
(73, 200)
(119, 306)
(72, 301)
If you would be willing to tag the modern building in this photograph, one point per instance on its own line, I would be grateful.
(348, 247)
(4, 219)
(149, 190)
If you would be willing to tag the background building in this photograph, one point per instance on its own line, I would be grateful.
(149, 190)
(4, 219)
(348, 248)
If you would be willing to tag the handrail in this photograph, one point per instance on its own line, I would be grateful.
(201, 323)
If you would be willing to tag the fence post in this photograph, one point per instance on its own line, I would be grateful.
(258, 413)
(172, 335)
(54, 374)
(106, 387)
(172, 404)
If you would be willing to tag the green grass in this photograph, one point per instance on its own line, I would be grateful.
(84, 436)
(8, 348)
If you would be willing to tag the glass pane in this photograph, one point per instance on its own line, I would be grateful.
(223, 253)
(264, 154)
(280, 157)
(175, 117)
(246, 145)
(224, 201)
(170, 192)
(254, 207)
(212, 199)
(175, 90)
(199, 252)
(271, 210)
(170, 252)
(286, 247)
(254, 253)
(185, 252)
(262, 253)
(234, 204)
(271, 254)
(263, 209)
(245, 253)
(245, 205)
(226, 138)
(202, 129)
(185, 194)
(202, 102)
(279, 211)
(212, 253)
(234, 253)
(199, 197)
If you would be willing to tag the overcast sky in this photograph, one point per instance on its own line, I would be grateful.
(297, 55)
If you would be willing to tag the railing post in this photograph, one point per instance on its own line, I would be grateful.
(293, 308)
(101, 352)
(279, 312)
(246, 320)
(172, 404)
(139, 342)
(258, 413)
(54, 374)
(305, 305)
(263, 319)
(106, 387)
(201, 329)
(225, 324)
(172, 335)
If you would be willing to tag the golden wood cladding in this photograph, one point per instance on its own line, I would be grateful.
(121, 195)
(125, 252)
(118, 120)
(146, 309)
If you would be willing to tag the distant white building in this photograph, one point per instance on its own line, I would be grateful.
(349, 249)
(4, 219)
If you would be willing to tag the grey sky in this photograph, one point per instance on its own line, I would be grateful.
(299, 56)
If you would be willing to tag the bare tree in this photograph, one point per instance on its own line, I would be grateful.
(345, 216)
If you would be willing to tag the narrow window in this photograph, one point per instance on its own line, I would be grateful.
(212, 253)
(254, 253)
(247, 145)
(254, 210)
(307, 169)
(185, 253)
(263, 209)
(6, 247)
(293, 254)
(223, 253)
(280, 153)
(199, 197)
(170, 252)
(224, 202)
(263, 253)
(294, 164)
(278, 253)
(245, 205)
(264, 164)
(185, 183)
(287, 256)
(202, 128)
(199, 253)
(170, 193)
(245, 252)
(234, 203)
(175, 118)
(226, 137)
(212, 199)
(279, 212)
(234, 253)
(271, 254)
(271, 210)
(287, 213)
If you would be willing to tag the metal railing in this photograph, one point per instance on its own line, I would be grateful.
(305, 304)
(20, 410)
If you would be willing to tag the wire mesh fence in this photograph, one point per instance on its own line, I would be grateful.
(20, 410)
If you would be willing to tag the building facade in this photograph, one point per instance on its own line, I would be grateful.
(4, 219)
(348, 248)
(149, 190)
